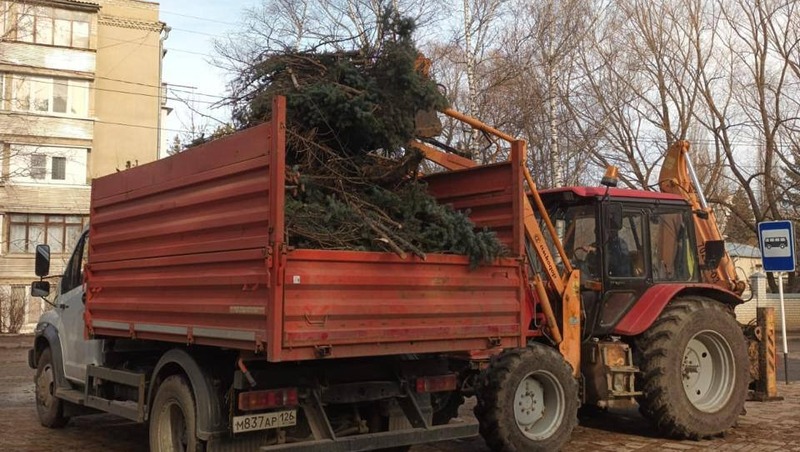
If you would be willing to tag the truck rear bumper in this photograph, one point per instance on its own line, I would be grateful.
(382, 440)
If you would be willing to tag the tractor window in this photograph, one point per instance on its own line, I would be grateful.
(623, 246)
(576, 228)
(671, 249)
(580, 240)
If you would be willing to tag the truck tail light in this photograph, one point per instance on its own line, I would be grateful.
(438, 383)
(272, 398)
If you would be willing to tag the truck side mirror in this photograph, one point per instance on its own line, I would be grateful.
(40, 288)
(714, 252)
(42, 260)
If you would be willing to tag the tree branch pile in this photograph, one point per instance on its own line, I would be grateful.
(352, 184)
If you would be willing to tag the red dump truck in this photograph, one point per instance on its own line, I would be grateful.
(183, 306)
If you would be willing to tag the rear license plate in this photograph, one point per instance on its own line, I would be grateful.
(264, 421)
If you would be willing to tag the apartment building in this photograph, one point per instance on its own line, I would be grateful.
(81, 98)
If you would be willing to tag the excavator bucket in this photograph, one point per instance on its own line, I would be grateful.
(427, 124)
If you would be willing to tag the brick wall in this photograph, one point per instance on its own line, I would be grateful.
(747, 311)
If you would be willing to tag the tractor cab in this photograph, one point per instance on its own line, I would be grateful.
(623, 242)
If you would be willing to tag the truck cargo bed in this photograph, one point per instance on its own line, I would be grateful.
(191, 249)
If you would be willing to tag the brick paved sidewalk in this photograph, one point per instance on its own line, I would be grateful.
(767, 426)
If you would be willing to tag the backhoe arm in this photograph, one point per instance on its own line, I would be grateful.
(678, 177)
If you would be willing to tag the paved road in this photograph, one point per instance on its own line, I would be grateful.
(765, 427)
(793, 358)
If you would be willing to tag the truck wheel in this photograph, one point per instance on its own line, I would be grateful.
(527, 400)
(49, 408)
(172, 418)
(694, 367)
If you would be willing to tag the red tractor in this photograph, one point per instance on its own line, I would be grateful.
(635, 290)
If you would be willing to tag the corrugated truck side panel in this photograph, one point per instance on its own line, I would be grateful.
(180, 248)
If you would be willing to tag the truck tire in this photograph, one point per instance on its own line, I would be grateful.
(694, 366)
(527, 400)
(49, 408)
(173, 425)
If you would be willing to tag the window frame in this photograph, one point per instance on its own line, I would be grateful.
(73, 271)
(49, 222)
(76, 165)
(689, 241)
(41, 14)
(628, 211)
(38, 171)
(20, 81)
(62, 167)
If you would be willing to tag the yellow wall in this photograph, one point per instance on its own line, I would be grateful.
(127, 86)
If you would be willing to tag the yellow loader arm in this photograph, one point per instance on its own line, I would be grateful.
(678, 177)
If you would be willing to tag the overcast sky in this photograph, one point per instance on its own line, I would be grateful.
(187, 70)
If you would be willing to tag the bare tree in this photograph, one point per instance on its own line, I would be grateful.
(639, 92)
(12, 309)
(542, 48)
(334, 25)
(461, 65)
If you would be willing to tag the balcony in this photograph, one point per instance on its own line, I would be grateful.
(28, 124)
(37, 56)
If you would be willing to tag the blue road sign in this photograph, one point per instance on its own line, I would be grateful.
(776, 240)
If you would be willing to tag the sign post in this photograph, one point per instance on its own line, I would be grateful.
(776, 240)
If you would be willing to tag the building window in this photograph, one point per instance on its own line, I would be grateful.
(48, 165)
(38, 166)
(50, 95)
(59, 168)
(61, 232)
(25, 23)
(43, 25)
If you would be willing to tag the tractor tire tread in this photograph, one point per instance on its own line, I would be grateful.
(654, 348)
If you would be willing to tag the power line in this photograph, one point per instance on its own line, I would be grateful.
(138, 126)
(198, 18)
(171, 86)
(141, 126)
(132, 93)
(150, 85)
(173, 13)
(196, 32)
(157, 46)
(168, 85)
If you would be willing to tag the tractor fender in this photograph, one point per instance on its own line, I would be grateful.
(211, 416)
(653, 300)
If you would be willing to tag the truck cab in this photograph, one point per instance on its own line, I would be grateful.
(65, 322)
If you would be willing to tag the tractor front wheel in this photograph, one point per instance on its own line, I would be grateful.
(527, 400)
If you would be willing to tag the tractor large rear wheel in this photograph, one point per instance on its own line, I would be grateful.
(694, 367)
(527, 400)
